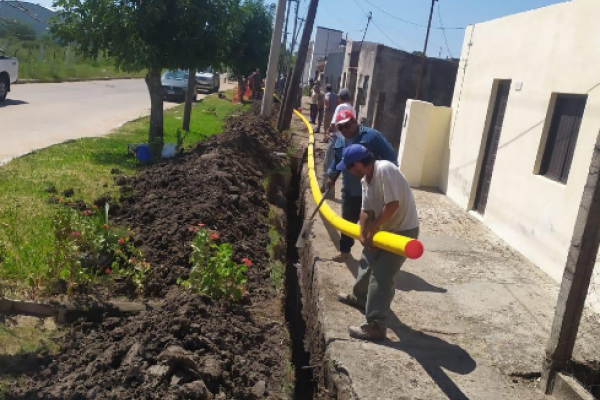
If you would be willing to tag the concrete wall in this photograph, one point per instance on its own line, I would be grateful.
(424, 143)
(546, 51)
(326, 41)
(349, 69)
(333, 69)
(393, 80)
(306, 72)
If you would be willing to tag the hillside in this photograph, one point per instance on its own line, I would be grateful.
(42, 13)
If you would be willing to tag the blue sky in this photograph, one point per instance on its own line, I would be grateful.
(387, 28)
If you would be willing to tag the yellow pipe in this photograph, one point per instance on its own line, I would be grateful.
(402, 245)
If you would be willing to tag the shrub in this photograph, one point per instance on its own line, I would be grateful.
(213, 271)
(88, 247)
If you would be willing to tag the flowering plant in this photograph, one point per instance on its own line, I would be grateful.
(213, 272)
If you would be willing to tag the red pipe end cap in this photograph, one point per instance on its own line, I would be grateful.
(414, 249)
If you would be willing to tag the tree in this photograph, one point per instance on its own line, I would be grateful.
(249, 39)
(147, 34)
(18, 29)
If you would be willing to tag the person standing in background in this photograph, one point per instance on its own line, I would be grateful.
(331, 102)
(314, 102)
(320, 109)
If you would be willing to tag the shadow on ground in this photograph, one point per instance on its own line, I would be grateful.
(9, 102)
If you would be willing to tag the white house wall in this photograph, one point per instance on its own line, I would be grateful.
(326, 41)
(550, 50)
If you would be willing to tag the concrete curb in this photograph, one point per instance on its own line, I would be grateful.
(71, 80)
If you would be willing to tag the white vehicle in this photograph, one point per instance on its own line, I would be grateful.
(208, 80)
(9, 70)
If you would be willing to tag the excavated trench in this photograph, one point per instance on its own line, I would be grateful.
(316, 377)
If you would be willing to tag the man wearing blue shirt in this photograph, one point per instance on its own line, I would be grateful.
(378, 146)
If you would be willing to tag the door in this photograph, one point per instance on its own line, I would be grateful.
(491, 146)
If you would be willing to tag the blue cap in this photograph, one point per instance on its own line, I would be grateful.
(352, 154)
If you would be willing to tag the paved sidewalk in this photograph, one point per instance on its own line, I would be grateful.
(471, 318)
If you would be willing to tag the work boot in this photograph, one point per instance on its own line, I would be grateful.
(352, 301)
(340, 258)
(371, 331)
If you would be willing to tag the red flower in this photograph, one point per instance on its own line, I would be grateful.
(121, 241)
(200, 224)
(87, 213)
(214, 236)
(105, 226)
(107, 271)
(75, 234)
(247, 261)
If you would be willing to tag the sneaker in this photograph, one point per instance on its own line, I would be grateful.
(352, 301)
(371, 331)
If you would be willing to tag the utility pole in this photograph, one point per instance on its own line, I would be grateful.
(283, 59)
(273, 61)
(290, 99)
(294, 36)
(370, 16)
(576, 277)
(424, 55)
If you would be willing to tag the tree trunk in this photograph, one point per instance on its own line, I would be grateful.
(189, 96)
(155, 136)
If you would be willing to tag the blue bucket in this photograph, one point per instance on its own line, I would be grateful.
(143, 152)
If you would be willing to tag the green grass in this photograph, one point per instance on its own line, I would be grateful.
(47, 61)
(25, 335)
(26, 236)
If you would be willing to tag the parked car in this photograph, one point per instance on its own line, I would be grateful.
(9, 71)
(174, 85)
(208, 80)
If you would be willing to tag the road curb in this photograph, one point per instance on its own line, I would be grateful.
(27, 81)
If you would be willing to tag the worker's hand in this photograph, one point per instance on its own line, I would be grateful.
(367, 238)
(330, 182)
(332, 128)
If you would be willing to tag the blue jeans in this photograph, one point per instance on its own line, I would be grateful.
(351, 206)
(314, 109)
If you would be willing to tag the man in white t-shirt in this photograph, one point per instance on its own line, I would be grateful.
(387, 205)
(343, 99)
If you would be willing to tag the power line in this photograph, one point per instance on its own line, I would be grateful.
(409, 22)
(22, 8)
(385, 34)
(443, 30)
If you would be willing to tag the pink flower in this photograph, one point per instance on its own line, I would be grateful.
(247, 261)
(121, 241)
(107, 271)
(194, 229)
(75, 234)
(200, 225)
(214, 236)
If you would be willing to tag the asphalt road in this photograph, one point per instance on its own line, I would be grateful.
(38, 115)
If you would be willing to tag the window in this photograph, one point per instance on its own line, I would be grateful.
(562, 136)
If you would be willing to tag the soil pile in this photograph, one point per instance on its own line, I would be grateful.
(220, 185)
(191, 348)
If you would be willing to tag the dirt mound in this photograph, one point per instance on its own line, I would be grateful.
(220, 184)
(190, 349)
